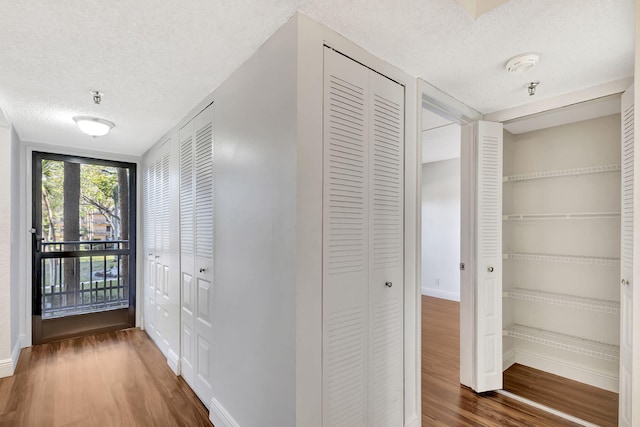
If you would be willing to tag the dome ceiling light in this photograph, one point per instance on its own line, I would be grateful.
(521, 63)
(94, 126)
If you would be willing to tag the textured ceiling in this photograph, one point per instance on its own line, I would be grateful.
(155, 60)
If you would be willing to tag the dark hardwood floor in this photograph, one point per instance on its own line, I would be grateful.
(110, 379)
(444, 401)
(571, 397)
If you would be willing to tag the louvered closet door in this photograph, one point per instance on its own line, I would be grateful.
(187, 262)
(157, 262)
(345, 242)
(163, 245)
(489, 252)
(203, 226)
(626, 263)
(386, 249)
(362, 246)
(149, 248)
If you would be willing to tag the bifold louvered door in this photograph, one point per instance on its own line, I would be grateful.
(626, 413)
(362, 246)
(161, 255)
(489, 252)
(196, 251)
(157, 245)
(149, 294)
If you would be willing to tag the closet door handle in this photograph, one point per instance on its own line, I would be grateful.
(624, 282)
(388, 284)
(490, 269)
(202, 270)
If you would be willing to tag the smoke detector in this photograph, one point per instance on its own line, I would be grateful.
(521, 63)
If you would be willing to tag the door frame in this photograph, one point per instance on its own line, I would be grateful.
(438, 102)
(26, 213)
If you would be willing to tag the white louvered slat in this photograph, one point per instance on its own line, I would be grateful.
(345, 207)
(204, 191)
(386, 154)
(186, 196)
(626, 415)
(157, 203)
(165, 218)
(489, 249)
(146, 208)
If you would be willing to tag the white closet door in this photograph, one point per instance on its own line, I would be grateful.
(187, 320)
(163, 247)
(345, 242)
(203, 273)
(386, 249)
(149, 248)
(489, 257)
(157, 264)
(626, 262)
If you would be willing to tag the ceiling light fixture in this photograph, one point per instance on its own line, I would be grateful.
(521, 63)
(93, 126)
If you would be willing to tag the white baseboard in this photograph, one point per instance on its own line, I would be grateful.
(439, 293)
(413, 422)
(8, 366)
(567, 370)
(219, 416)
(173, 360)
(508, 359)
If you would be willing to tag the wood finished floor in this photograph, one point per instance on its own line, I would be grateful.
(110, 379)
(588, 403)
(444, 401)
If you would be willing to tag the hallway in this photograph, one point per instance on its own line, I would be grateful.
(110, 379)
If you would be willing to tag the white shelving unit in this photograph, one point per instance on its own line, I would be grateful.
(557, 216)
(561, 263)
(565, 342)
(602, 306)
(568, 259)
(564, 172)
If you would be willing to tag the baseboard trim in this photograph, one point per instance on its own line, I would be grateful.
(413, 422)
(8, 366)
(438, 293)
(508, 359)
(219, 416)
(567, 370)
(173, 360)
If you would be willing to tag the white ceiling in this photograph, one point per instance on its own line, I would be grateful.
(154, 61)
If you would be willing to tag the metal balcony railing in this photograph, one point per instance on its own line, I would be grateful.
(84, 277)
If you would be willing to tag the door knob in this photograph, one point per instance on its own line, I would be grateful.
(388, 284)
(490, 269)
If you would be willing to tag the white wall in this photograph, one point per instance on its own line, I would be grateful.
(441, 229)
(16, 242)
(10, 342)
(255, 238)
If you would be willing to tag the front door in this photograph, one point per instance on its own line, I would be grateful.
(82, 251)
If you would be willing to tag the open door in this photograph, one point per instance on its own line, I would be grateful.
(481, 257)
(625, 416)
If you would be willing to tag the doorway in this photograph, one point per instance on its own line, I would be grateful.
(83, 253)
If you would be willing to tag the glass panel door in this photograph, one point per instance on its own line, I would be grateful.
(83, 253)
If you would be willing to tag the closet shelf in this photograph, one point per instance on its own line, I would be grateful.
(579, 215)
(602, 306)
(568, 259)
(565, 342)
(565, 172)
